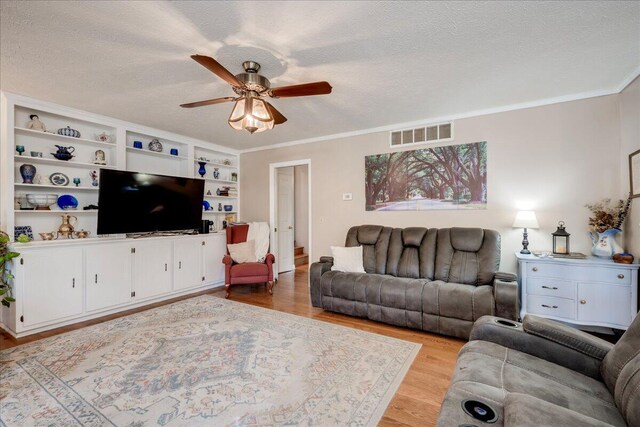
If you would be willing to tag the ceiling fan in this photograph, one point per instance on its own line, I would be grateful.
(251, 112)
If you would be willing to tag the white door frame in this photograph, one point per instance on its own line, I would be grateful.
(272, 205)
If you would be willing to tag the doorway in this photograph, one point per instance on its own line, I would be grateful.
(290, 214)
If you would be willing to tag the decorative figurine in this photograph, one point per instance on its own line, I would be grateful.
(155, 145)
(234, 176)
(76, 181)
(94, 178)
(99, 158)
(35, 123)
(20, 149)
(216, 173)
(209, 193)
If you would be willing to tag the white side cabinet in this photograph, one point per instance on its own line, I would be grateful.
(63, 282)
(589, 292)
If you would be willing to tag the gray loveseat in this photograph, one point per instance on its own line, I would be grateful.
(437, 280)
(543, 373)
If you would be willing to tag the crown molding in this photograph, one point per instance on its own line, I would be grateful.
(476, 113)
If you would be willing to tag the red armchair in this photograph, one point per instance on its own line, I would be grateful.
(247, 272)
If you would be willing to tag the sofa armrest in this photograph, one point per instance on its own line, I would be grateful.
(315, 274)
(567, 336)
(513, 335)
(505, 294)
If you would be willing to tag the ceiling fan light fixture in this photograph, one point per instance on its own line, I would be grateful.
(250, 113)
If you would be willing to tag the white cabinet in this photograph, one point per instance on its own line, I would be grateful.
(152, 269)
(589, 292)
(108, 275)
(215, 249)
(187, 263)
(51, 283)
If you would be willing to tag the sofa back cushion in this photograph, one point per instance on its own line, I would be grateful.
(467, 255)
(620, 370)
(412, 253)
(374, 240)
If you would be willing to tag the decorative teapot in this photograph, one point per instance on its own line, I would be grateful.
(66, 228)
(63, 153)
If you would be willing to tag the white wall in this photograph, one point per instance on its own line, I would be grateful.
(556, 157)
(301, 192)
(630, 142)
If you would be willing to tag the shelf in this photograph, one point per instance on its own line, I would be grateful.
(58, 211)
(217, 164)
(71, 163)
(218, 212)
(26, 131)
(57, 187)
(224, 181)
(216, 197)
(154, 153)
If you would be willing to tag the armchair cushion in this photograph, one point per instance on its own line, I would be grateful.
(243, 252)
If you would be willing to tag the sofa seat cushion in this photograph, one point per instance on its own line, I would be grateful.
(490, 372)
(384, 298)
(451, 308)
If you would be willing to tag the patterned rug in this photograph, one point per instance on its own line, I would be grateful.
(203, 361)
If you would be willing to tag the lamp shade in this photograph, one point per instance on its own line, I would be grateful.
(251, 114)
(525, 219)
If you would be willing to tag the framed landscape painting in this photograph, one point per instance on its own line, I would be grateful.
(451, 177)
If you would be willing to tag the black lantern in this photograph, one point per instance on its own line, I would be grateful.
(561, 240)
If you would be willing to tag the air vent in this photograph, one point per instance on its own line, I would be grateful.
(431, 133)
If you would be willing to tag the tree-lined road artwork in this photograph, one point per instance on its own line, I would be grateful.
(439, 178)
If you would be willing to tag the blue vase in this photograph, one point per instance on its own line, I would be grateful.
(27, 172)
(202, 171)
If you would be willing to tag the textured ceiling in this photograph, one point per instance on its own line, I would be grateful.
(388, 62)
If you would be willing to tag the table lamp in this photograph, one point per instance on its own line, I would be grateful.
(525, 219)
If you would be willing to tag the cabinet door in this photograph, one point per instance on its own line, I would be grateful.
(108, 275)
(52, 284)
(152, 269)
(604, 303)
(215, 249)
(187, 263)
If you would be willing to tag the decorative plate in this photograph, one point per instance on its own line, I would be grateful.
(23, 229)
(58, 178)
(67, 201)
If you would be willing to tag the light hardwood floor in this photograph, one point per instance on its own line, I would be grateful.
(417, 401)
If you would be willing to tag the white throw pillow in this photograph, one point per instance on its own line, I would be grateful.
(347, 259)
(243, 252)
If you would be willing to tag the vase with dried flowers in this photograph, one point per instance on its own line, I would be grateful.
(605, 223)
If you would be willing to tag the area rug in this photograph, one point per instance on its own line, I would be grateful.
(204, 361)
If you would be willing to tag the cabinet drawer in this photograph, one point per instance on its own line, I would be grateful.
(615, 275)
(551, 306)
(550, 286)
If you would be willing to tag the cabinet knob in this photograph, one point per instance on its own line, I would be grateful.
(535, 268)
(620, 276)
(583, 301)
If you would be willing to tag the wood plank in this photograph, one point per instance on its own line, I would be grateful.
(418, 398)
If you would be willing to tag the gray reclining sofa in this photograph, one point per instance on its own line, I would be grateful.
(437, 280)
(543, 373)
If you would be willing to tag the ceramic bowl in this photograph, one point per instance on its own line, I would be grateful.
(42, 201)
(67, 201)
(228, 208)
(36, 154)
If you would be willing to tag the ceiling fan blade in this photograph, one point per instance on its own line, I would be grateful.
(207, 102)
(305, 89)
(214, 66)
(278, 118)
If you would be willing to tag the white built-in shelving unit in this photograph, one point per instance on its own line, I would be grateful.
(120, 154)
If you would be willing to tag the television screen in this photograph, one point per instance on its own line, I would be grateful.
(131, 202)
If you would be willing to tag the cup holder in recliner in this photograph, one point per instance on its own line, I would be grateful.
(508, 323)
(480, 411)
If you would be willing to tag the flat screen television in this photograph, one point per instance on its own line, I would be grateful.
(132, 202)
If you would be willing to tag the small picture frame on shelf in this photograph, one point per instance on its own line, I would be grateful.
(634, 174)
(22, 229)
